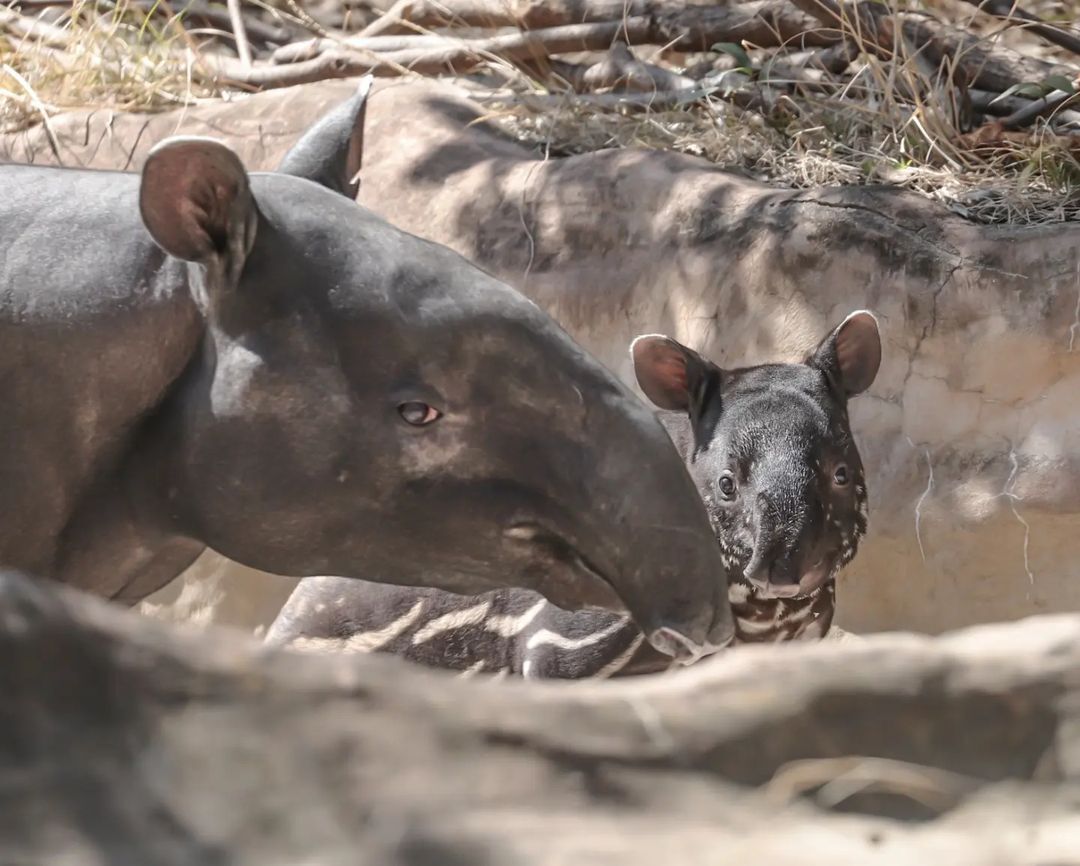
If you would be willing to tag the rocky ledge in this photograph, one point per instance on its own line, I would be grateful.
(127, 740)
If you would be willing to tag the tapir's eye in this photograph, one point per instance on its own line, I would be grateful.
(841, 476)
(727, 486)
(418, 414)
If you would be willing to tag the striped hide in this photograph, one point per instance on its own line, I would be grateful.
(509, 632)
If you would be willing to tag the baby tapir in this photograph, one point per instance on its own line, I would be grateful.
(771, 452)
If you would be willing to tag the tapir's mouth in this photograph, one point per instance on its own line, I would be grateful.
(558, 548)
(811, 580)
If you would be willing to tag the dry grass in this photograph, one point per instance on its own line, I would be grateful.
(1024, 183)
(96, 56)
(893, 121)
(888, 121)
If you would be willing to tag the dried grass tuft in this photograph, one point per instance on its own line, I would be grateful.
(893, 121)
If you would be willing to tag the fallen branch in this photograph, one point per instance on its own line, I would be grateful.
(1037, 108)
(527, 14)
(202, 13)
(436, 54)
(236, 19)
(310, 48)
(681, 24)
(623, 72)
(325, 67)
(690, 28)
(1009, 11)
(388, 19)
(992, 67)
(34, 30)
(765, 23)
(995, 104)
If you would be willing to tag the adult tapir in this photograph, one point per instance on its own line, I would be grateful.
(199, 356)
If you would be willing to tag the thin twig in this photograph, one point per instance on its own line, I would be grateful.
(390, 17)
(1050, 104)
(1015, 15)
(236, 17)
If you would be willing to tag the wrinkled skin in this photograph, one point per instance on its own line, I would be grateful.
(202, 357)
(771, 452)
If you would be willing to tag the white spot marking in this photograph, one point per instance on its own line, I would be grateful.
(738, 593)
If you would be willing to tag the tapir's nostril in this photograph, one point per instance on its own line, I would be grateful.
(784, 571)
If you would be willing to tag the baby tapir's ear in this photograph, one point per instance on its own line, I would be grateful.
(331, 152)
(851, 354)
(196, 202)
(672, 376)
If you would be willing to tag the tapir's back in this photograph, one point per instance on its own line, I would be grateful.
(95, 322)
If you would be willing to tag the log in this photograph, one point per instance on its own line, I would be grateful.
(434, 57)
(668, 14)
(125, 741)
(680, 25)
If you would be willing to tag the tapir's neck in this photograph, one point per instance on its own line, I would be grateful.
(771, 620)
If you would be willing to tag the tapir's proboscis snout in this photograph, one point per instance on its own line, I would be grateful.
(265, 368)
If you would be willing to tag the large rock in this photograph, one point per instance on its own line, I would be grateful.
(125, 740)
(971, 434)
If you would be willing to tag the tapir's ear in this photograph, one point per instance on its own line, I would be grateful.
(851, 354)
(196, 202)
(672, 376)
(331, 152)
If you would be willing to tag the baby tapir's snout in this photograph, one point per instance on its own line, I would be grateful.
(792, 549)
(771, 452)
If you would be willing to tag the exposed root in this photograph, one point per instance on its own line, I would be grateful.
(921, 500)
(1007, 492)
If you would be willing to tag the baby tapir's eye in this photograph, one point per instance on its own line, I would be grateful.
(418, 414)
(727, 486)
(841, 475)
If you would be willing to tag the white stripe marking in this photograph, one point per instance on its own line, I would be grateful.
(507, 625)
(753, 627)
(618, 663)
(369, 641)
(550, 638)
(472, 669)
(450, 621)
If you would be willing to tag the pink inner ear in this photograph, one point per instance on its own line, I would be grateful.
(661, 371)
(858, 351)
(670, 371)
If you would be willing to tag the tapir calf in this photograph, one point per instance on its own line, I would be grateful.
(202, 357)
(771, 450)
